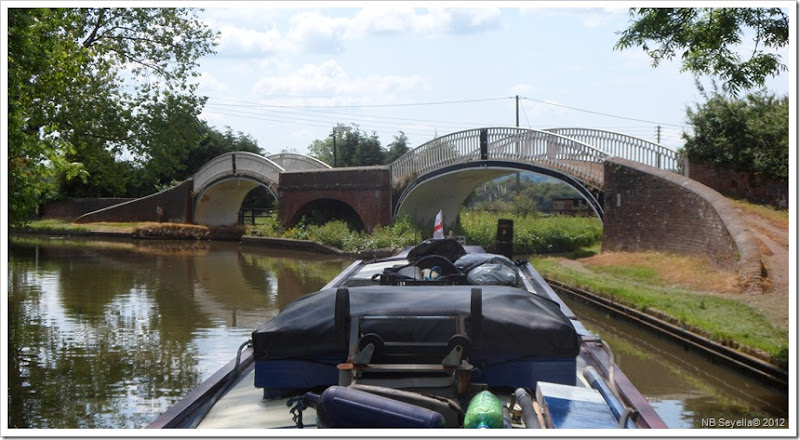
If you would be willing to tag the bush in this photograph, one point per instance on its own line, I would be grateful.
(338, 234)
(750, 134)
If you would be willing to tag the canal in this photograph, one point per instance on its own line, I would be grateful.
(110, 333)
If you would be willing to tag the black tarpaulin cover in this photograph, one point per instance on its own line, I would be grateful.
(515, 322)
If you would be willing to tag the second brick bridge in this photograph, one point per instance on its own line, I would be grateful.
(633, 185)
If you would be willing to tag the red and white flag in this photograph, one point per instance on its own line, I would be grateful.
(438, 226)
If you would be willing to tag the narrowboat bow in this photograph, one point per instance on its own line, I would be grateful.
(438, 336)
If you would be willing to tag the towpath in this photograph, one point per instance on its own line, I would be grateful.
(773, 240)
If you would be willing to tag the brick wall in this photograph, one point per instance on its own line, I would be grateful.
(651, 209)
(740, 184)
(74, 208)
(366, 189)
(173, 205)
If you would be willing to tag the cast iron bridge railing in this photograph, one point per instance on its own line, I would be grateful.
(513, 144)
(626, 147)
(577, 152)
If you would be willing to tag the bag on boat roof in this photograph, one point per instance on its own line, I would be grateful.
(471, 261)
(306, 328)
(492, 274)
(446, 247)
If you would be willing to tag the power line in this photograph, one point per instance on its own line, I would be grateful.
(300, 121)
(600, 113)
(311, 107)
(326, 115)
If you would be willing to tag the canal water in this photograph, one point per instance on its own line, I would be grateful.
(110, 333)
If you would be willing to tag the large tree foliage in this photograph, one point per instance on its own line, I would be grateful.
(91, 85)
(109, 177)
(747, 134)
(354, 147)
(397, 148)
(709, 41)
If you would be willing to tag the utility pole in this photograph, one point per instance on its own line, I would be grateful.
(516, 98)
(333, 133)
(658, 134)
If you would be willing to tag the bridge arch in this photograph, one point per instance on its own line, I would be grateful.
(297, 162)
(448, 187)
(328, 208)
(486, 152)
(550, 150)
(220, 186)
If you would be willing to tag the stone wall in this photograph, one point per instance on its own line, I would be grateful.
(741, 184)
(651, 209)
(173, 205)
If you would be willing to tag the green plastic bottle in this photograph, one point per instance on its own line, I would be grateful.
(485, 410)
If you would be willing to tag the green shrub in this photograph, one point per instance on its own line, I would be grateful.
(267, 227)
(338, 234)
(749, 134)
(335, 233)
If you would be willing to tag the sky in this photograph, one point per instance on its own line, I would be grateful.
(287, 73)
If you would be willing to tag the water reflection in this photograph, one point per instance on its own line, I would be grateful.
(109, 334)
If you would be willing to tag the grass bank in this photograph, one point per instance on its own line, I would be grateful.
(686, 290)
(176, 231)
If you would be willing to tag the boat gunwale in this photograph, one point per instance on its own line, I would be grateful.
(185, 410)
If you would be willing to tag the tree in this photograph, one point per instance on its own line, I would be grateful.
(749, 134)
(354, 147)
(35, 156)
(213, 144)
(397, 148)
(98, 83)
(708, 40)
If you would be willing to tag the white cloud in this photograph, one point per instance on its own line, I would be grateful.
(328, 83)
(209, 84)
(236, 40)
(467, 21)
(317, 33)
(284, 31)
(376, 20)
(433, 21)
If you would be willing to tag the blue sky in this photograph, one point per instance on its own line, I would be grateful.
(286, 74)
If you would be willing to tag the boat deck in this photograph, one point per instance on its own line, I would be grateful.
(244, 407)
